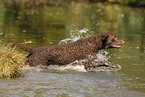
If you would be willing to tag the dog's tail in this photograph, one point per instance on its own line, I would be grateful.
(23, 47)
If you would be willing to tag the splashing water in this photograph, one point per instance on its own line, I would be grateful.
(100, 57)
(69, 67)
(76, 35)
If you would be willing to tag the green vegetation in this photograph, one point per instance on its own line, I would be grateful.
(11, 62)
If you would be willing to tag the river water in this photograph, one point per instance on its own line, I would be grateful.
(41, 24)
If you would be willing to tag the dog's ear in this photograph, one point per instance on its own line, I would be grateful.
(104, 41)
(104, 38)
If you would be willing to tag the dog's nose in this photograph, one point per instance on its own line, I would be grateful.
(122, 42)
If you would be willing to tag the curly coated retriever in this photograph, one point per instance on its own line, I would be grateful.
(65, 54)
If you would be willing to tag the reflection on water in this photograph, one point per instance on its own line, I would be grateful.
(45, 24)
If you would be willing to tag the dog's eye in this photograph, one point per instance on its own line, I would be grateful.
(113, 40)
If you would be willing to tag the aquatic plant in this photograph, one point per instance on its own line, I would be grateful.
(11, 62)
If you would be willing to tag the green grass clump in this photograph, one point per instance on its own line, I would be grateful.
(11, 62)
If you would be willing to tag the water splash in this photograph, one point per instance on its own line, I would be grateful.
(78, 66)
(69, 67)
(76, 35)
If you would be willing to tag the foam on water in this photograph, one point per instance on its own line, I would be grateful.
(69, 67)
(79, 67)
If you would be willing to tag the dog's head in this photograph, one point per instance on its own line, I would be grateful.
(110, 40)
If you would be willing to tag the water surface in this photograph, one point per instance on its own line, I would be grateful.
(42, 25)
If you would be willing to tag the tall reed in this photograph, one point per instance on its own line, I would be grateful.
(11, 62)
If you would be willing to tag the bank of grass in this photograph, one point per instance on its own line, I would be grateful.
(11, 62)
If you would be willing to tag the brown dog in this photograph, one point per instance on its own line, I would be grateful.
(65, 54)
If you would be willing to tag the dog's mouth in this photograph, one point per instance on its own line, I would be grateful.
(118, 45)
(115, 46)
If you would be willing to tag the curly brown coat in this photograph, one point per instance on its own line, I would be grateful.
(65, 54)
